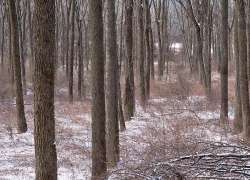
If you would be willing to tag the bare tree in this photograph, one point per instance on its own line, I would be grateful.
(224, 64)
(111, 89)
(129, 92)
(149, 55)
(141, 54)
(158, 11)
(71, 61)
(238, 125)
(188, 7)
(244, 92)
(80, 83)
(120, 63)
(99, 166)
(44, 72)
(21, 120)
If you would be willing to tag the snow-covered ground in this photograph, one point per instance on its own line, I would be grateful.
(73, 138)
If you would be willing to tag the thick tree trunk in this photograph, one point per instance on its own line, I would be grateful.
(99, 167)
(44, 72)
(129, 93)
(238, 124)
(22, 32)
(244, 92)
(224, 64)
(112, 134)
(21, 120)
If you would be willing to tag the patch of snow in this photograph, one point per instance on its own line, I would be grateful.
(196, 98)
(207, 115)
(73, 138)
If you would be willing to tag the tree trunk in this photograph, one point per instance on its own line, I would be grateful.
(63, 21)
(224, 64)
(238, 124)
(129, 93)
(11, 63)
(80, 83)
(244, 92)
(148, 49)
(152, 63)
(112, 134)
(21, 120)
(141, 55)
(30, 38)
(99, 168)
(248, 38)
(120, 60)
(44, 73)
(22, 32)
(158, 29)
(208, 45)
(2, 39)
(71, 60)
(200, 59)
(67, 37)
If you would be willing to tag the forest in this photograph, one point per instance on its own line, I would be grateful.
(124, 89)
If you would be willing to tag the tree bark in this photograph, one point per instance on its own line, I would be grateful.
(21, 120)
(3, 38)
(129, 93)
(112, 134)
(148, 49)
(121, 55)
(244, 92)
(80, 83)
(22, 34)
(141, 55)
(71, 60)
(30, 37)
(67, 36)
(238, 124)
(99, 167)
(157, 10)
(44, 74)
(224, 64)
(11, 63)
(248, 38)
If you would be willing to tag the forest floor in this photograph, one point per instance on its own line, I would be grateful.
(178, 121)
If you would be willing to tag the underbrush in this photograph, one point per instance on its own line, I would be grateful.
(181, 148)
